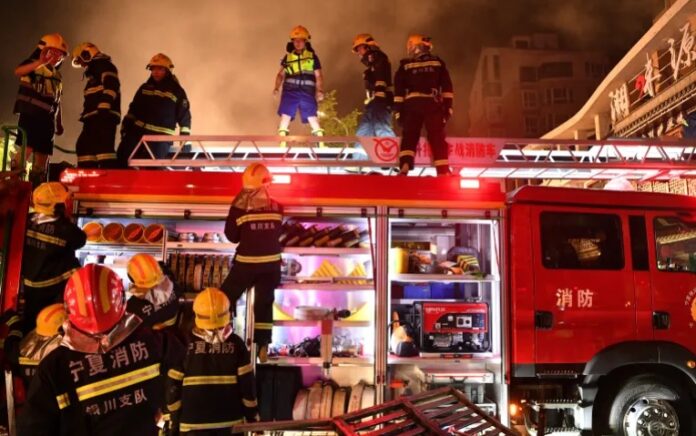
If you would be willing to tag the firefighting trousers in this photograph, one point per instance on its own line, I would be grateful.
(416, 114)
(95, 145)
(264, 278)
(36, 299)
(130, 139)
(376, 120)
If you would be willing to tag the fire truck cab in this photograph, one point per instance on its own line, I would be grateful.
(603, 298)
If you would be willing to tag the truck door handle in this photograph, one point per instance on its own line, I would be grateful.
(661, 320)
(543, 320)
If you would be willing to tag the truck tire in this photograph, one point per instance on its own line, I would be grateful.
(651, 405)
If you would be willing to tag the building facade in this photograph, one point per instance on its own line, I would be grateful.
(530, 86)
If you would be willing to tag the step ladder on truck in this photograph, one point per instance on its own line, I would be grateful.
(581, 298)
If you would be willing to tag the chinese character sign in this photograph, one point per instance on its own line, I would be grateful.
(620, 104)
(569, 298)
(461, 150)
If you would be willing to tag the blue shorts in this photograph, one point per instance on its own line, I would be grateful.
(291, 101)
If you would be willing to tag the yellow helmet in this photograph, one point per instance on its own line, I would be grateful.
(300, 32)
(144, 272)
(53, 40)
(160, 60)
(48, 195)
(364, 38)
(212, 309)
(416, 40)
(84, 52)
(50, 319)
(255, 176)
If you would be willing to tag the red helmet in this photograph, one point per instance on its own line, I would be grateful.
(95, 299)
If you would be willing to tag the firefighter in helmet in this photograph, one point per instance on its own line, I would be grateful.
(254, 221)
(49, 250)
(376, 117)
(45, 338)
(38, 102)
(423, 98)
(107, 376)
(224, 393)
(302, 81)
(159, 105)
(101, 112)
(153, 298)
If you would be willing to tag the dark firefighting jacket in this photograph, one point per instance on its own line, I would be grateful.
(10, 336)
(103, 89)
(49, 250)
(378, 78)
(39, 91)
(254, 221)
(423, 77)
(117, 389)
(159, 106)
(217, 387)
(159, 308)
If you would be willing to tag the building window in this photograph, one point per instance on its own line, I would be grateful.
(559, 95)
(581, 241)
(529, 99)
(550, 121)
(528, 74)
(496, 67)
(492, 89)
(531, 126)
(551, 70)
(522, 43)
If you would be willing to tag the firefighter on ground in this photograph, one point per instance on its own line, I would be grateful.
(38, 102)
(108, 376)
(49, 251)
(153, 298)
(217, 387)
(158, 106)
(42, 340)
(423, 97)
(101, 112)
(376, 117)
(254, 221)
(302, 81)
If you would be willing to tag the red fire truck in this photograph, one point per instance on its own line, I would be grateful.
(565, 309)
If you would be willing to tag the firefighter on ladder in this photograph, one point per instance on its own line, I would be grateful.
(376, 118)
(49, 251)
(106, 377)
(158, 106)
(101, 112)
(302, 81)
(254, 221)
(153, 298)
(217, 387)
(38, 102)
(423, 97)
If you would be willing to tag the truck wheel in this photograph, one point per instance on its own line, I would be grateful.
(651, 406)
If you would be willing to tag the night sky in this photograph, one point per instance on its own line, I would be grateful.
(226, 53)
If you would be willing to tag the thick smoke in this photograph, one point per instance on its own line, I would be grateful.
(226, 53)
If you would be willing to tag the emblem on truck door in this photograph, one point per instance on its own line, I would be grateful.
(690, 301)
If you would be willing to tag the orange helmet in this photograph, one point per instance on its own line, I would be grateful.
(212, 309)
(363, 38)
(160, 60)
(255, 176)
(300, 32)
(144, 271)
(50, 319)
(94, 298)
(418, 40)
(53, 40)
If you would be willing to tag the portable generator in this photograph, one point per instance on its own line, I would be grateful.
(453, 327)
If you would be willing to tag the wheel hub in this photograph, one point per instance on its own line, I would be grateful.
(649, 417)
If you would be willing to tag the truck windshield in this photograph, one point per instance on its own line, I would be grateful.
(675, 244)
